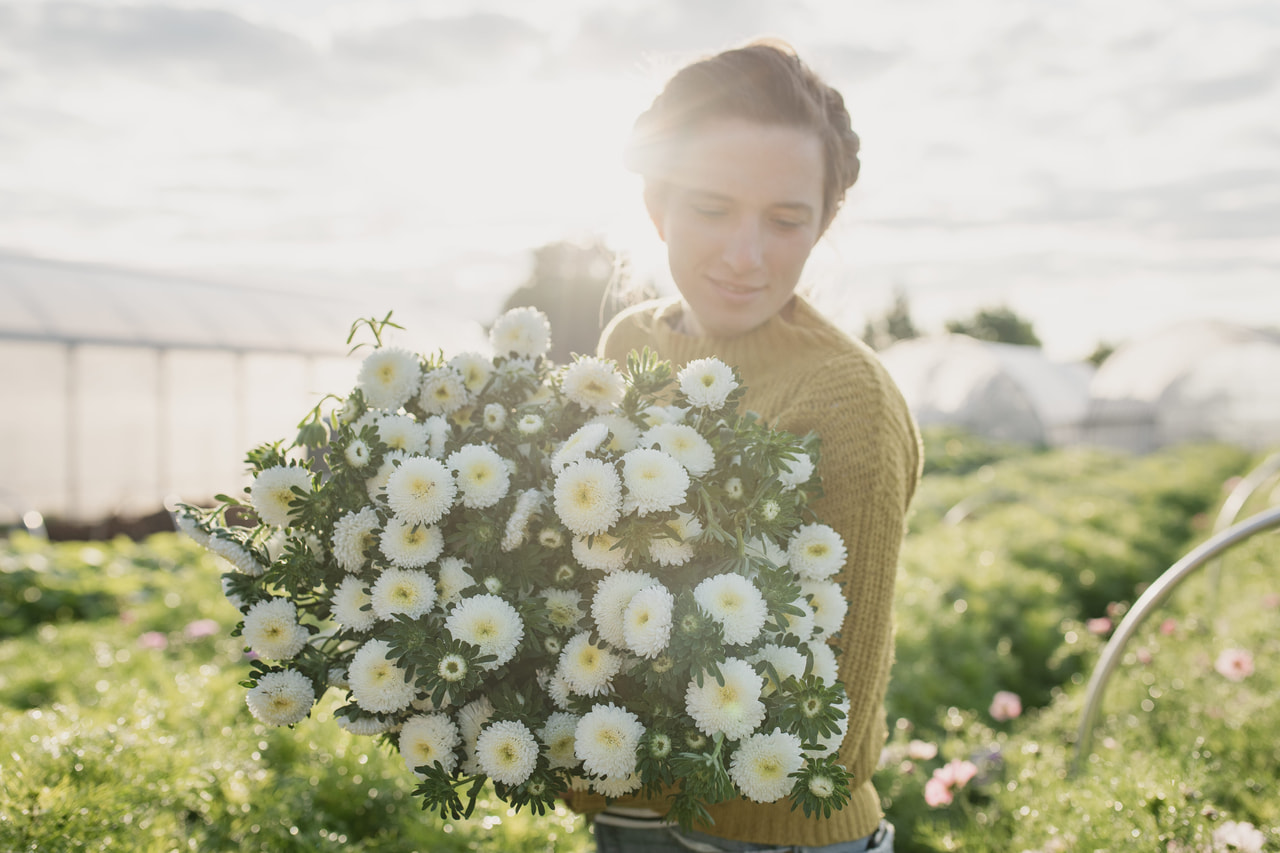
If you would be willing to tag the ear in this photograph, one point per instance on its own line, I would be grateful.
(655, 201)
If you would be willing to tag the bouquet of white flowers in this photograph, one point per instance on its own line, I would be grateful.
(551, 577)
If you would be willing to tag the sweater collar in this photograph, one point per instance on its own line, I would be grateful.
(750, 351)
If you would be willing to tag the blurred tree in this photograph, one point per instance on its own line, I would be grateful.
(895, 325)
(999, 324)
(1101, 353)
(570, 283)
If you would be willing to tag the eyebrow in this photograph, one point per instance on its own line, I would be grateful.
(796, 206)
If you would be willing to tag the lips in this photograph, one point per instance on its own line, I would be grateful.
(735, 289)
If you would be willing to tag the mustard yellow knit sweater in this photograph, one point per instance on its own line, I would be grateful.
(803, 374)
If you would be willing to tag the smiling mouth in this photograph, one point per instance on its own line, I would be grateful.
(738, 289)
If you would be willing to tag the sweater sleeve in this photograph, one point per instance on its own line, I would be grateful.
(869, 464)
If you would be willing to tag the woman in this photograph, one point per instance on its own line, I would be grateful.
(746, 157)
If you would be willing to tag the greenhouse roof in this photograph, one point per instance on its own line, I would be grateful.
(72, 303)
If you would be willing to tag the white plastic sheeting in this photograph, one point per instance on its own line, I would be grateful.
(125, 389)
(1202, 380)
(997, 390)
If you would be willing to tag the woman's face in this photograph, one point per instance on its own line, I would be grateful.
(740, 212)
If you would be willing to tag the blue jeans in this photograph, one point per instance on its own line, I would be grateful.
(670, 839)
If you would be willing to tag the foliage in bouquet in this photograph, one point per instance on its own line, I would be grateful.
(553, 577)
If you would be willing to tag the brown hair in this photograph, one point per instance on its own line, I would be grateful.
(764, 82)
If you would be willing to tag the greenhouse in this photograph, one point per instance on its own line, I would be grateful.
(1000, 391)
(1200, 380)
(135, 388)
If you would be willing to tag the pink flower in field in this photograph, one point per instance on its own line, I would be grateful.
(153, 640)
(1099, 626)
(937, 793)
(956, 772)
(1168, 626)
(922, 750)
(1005, 705)
(1234, 664)
(1144, 655)
(201, 628)
(1271, 600)
(1238, 836)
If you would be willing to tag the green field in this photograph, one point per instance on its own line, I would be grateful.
(124, 727)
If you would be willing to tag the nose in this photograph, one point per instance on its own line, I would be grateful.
(744, 249)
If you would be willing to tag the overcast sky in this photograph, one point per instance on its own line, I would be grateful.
(1102, 167)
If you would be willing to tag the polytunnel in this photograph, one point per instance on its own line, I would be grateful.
(1193, 381)
(1001, 391)
(127, 388)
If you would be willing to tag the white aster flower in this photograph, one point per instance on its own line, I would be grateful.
(376, 485)
(421, 490)
(453, 579)
(707, 382)
(558, 735)
(377, 684)
(472, 717)
(829, 605)
(272, 492)
(389, 377)
(599, 553)
(824, 662)
(474, 368)
(832, 742)
(796, 472)
(401, 432)
(349, 599)
(606, 740)
(192, 529)
(816, 552)
(584, 440)
(529, 424)
(588, 496)
(443, 392)
(527, 502)
(356, 454)
(349, 411)
(403, 591)
(507, 752)
(281, 698)
(654, 415)
(271, 629)
(1242, 836)
(593, 383)
(684, 443)
(623, 434)
(616, 786)
(439, 431)
(523, 332)
(353, 536)
(608, 605)
(655, 481)
(564, 607)
(673, 552)
(646, 623)
(410, 546)
(762, 765)
(550, 537)
(786, 661)
(237, 555)
(801, 626)
(428, 739)
(483, 475)
(558, 689)
(490, 623)
(735, 604)
(588, 669)
(733, 708)
(494, 417)
(365, 726)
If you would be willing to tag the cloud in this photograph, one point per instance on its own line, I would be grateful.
(445, 50)
(77, 39)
